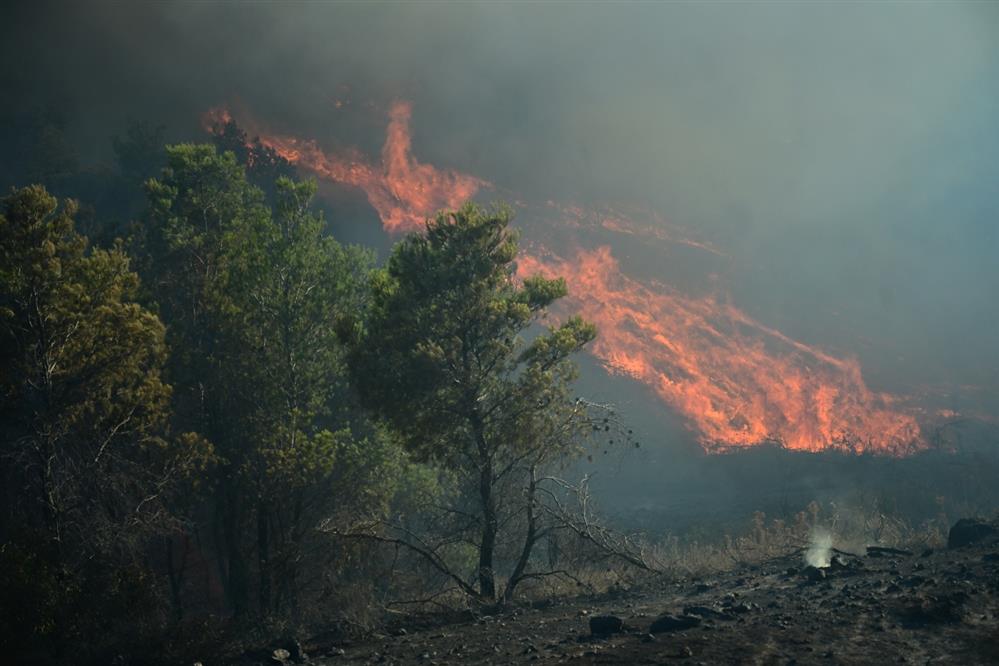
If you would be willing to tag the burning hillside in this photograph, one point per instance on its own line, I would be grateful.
(736, 381)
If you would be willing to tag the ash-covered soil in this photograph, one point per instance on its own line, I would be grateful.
(878, 607)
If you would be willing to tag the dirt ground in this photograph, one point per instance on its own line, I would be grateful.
(879, 607)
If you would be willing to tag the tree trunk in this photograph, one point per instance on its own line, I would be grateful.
(490, 523)
(175, 573)
(529, 538)
(487, 579)
(238, 584)
(297, 536)
(263, 559)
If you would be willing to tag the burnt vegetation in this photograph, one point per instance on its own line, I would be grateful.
(225, 434)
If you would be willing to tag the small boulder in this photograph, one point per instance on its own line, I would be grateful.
(743, 607)
(605, 625)
(968, 531)
(813, 574)
(707, 613)
(886, 551)
(668, 623)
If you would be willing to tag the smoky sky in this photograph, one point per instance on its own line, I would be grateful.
(844, 155)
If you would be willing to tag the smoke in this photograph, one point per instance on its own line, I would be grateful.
(738, 383)
(819, 553)
(835, 164)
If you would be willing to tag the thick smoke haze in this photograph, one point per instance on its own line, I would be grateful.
(843, 157)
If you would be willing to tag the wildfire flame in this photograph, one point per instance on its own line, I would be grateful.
(736, 381)
(402, 191)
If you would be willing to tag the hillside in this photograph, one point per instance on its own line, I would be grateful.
(883, 606)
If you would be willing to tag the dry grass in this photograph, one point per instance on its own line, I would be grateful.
(850, 527)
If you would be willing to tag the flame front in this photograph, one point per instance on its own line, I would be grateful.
(402, 191)
(737, 382)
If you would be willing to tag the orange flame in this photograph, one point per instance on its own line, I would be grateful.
(623, 223)
(214, 119)
(403, 191)
(737, 382)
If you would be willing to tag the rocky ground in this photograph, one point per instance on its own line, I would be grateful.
(881, 606)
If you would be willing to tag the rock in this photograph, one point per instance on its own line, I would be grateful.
(604, 625)
(968, 531)
(813, 574)
(280, 656)
(882, 551)
(294, 649)
(668, 623)
(707, 613)
(912, 581)
(743, 607)
(931, 610)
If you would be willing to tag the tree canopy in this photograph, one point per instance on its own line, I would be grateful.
(254, 422)
(88, 465)
(452, 356)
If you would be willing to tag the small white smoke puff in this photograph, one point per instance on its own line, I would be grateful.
(819, 551)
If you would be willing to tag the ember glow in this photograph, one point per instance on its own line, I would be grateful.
(736, 381)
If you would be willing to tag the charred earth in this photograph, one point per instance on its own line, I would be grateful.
(879, 606)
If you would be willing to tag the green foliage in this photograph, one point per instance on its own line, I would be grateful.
(256, 300)
(81, 377)
(291, 288)
(199, 207)
(446, 361)
(87, 463)
(264, 167)
(215, 410)
(444, 352)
